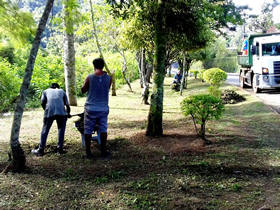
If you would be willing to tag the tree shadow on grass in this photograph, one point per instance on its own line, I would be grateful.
(136, 160)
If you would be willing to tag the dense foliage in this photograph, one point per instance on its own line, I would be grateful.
(202, 107)
(9, 85)
(49, 66)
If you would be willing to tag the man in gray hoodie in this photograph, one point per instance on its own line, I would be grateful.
(53, 101)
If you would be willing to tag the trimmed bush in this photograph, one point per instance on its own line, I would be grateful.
(194, 72)
(202, 107)
(200, 74)
(215, 76)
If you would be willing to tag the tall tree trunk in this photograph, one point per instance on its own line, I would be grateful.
(145, 92)
(17, 152)
(169, 71)
(184, 74)
(139, 60)
(186, 67)
(202, 130)
(69, 54)
(112, 74)
(149, 68)
(154, 127)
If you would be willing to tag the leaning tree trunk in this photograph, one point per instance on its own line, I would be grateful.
(18, 157)
(69, 55)
(112, 74)
(124, 70)
(154, 127)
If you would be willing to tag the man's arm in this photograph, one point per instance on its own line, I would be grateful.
(68, 110)
(66, 103)
(85, 87)
(110, 82)
(44, 100)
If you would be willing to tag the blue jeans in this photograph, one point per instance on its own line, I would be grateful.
(61, 125)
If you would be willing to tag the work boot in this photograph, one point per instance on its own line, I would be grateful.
(104, 153)
(60, 151)
(87, 143)
(38, 152)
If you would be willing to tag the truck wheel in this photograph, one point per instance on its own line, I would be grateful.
(241, 82)
(254, 85)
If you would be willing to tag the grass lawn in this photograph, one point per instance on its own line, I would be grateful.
(240, 170)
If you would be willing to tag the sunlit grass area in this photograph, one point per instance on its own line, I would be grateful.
(239, 170)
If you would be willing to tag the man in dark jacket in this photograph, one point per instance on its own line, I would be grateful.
(53, 101)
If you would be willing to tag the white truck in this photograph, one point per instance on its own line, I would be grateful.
(260, 62)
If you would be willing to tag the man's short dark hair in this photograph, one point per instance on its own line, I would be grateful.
(98, 63)
(54, 85)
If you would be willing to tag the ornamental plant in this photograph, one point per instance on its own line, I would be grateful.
(200, 74)
(215, 77)
(202, 108)
(194, 72)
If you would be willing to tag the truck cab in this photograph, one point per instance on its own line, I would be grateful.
(260, 68)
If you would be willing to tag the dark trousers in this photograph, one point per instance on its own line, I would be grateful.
(61, 125)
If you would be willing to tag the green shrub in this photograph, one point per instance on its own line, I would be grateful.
(194, 72)
(202, 107)
(7, 52)
(200, 74)
(9, 85)
(215, 76)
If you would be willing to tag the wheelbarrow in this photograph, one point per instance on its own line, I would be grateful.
(79, 124)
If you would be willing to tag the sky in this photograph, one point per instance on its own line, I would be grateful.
(256, 5)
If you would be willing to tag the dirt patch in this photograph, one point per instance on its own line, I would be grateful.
(170, 142)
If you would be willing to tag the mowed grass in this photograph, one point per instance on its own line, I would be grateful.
(240, 170)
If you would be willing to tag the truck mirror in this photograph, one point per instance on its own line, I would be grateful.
(254, 50)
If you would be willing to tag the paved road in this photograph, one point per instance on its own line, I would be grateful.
(269, 97)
